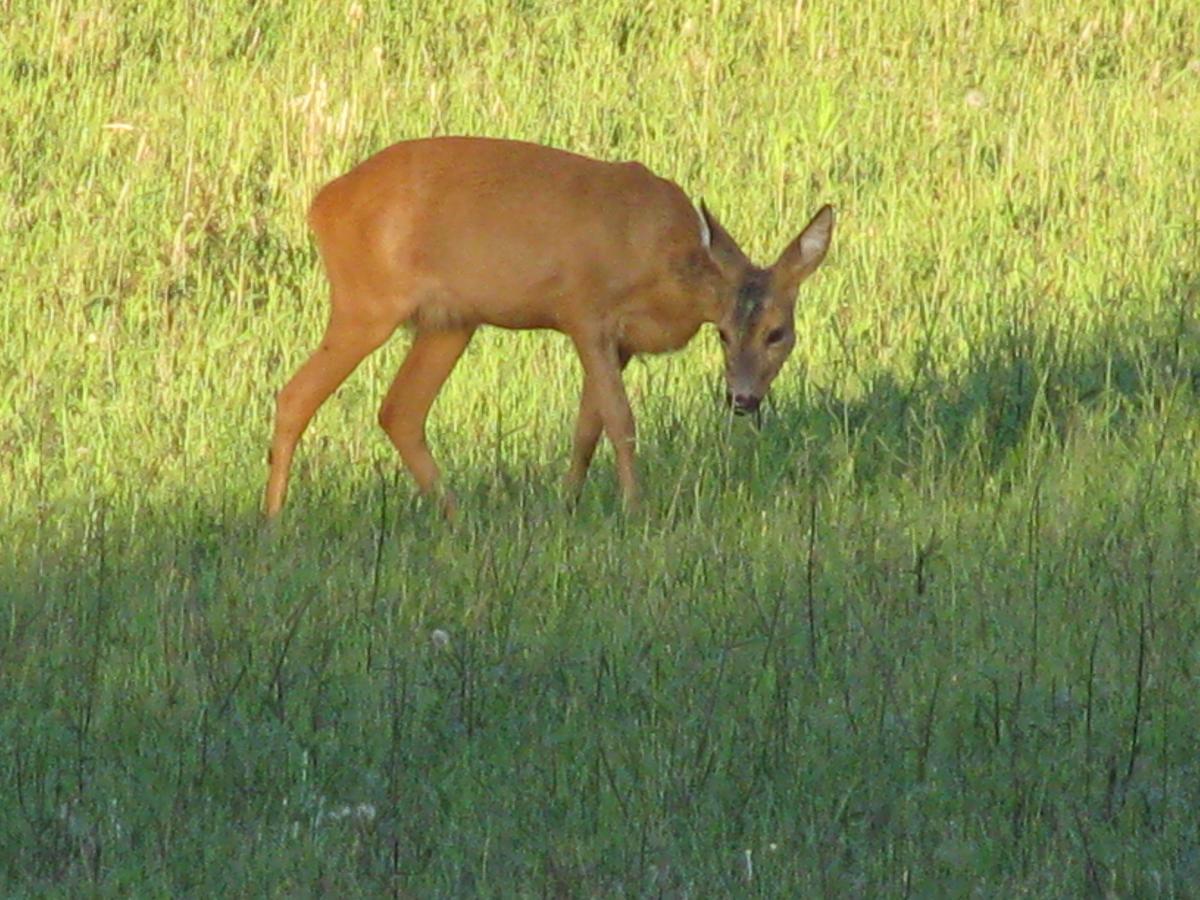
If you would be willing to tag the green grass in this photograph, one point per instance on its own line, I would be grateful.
(931, 631)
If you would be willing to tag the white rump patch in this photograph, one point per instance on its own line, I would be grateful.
(705, 231)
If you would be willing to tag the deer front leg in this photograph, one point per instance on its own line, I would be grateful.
(604, 398)
(588, 428)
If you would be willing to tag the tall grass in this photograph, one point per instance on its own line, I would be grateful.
(932, 630)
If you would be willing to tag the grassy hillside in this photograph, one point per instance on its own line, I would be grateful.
(933, 628)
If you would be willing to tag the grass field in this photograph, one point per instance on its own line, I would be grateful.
(933, 630)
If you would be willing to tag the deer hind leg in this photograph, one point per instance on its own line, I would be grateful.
(604, 391)
(346, 342)
(588, 428)
(405, 409)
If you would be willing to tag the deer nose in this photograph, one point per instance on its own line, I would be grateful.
(742, 403)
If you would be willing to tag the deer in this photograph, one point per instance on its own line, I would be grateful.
(446, 234)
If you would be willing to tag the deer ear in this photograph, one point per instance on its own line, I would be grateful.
(806, 252)
(720, 246)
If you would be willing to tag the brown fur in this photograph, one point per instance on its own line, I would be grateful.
(447, 234)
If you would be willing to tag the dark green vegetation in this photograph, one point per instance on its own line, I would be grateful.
(932, 629)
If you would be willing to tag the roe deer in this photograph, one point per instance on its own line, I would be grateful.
(447, 234)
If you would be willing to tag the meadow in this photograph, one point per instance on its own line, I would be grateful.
(931, 629)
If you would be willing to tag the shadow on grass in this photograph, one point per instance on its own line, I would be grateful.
(187, 694)
(1020, 387)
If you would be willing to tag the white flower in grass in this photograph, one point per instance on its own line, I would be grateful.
(363, 812)
(975, 98)
(440, 638)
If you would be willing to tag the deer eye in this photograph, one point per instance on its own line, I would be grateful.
(775, 336)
